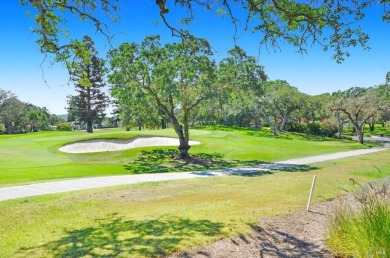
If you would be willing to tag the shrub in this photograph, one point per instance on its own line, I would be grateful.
(64, 126)
(324, 129)
(314, 128)
(297, 127)
(366, 231)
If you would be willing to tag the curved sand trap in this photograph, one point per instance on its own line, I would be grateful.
(117, 145)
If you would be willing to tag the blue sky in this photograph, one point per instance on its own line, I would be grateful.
(314, 73)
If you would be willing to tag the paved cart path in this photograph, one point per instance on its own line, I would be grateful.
(20, 191)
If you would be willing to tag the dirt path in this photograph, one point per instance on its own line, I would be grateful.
(298, 235)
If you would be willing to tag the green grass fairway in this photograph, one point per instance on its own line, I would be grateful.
(151, 219)
(35, 157)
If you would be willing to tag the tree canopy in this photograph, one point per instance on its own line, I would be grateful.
(87, 72)
(178, 77)
(358, 105)
(330, 24)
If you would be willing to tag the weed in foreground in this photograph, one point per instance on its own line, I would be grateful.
(363, 230)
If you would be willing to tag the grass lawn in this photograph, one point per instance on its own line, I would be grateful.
(151, 219)
(35, 157)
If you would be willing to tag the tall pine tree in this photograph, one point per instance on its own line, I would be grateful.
(87, 71)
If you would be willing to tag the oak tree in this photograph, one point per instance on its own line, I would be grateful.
(178, 76)
(331, 24)
(359, 106)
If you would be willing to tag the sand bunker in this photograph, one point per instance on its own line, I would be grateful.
(117, 145)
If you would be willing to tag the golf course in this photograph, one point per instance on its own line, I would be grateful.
(195, 129)
(159, 218)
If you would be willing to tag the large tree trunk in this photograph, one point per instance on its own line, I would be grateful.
(183, 141)
(163, 123)
(10, 130)
(89, 108)
(184, 146)
(89, 127)
(272, 123)
(183, 134)
(284, 122)
(360, 133)
(339, 131)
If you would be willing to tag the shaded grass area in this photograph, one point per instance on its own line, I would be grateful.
(167, 160)
(175, 215)
(115, 236)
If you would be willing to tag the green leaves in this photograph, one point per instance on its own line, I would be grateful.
(51, 24)
(178, 76)
(334, 25)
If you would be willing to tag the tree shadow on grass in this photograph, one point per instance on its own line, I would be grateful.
(315, 138)
(117, 236)
(297, 168)
(269, 135)
(274, 242)
(166, 160)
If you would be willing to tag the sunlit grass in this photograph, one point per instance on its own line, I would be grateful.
(151, 219)
(35, 157)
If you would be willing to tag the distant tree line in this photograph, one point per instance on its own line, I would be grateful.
(20, 117)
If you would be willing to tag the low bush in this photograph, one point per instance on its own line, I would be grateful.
(363, 231)
(64, 126)
(297, 127)
(323, 129)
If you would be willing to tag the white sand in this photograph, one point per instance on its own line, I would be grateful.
(116, 145)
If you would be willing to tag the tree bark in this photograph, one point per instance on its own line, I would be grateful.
(10, 130)
(270, 122)
(163, 123)
(183, 134)
(89, 107)
(284, 122)
(89, 127)
(360, 133)
(184, 146)
(339, 131)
